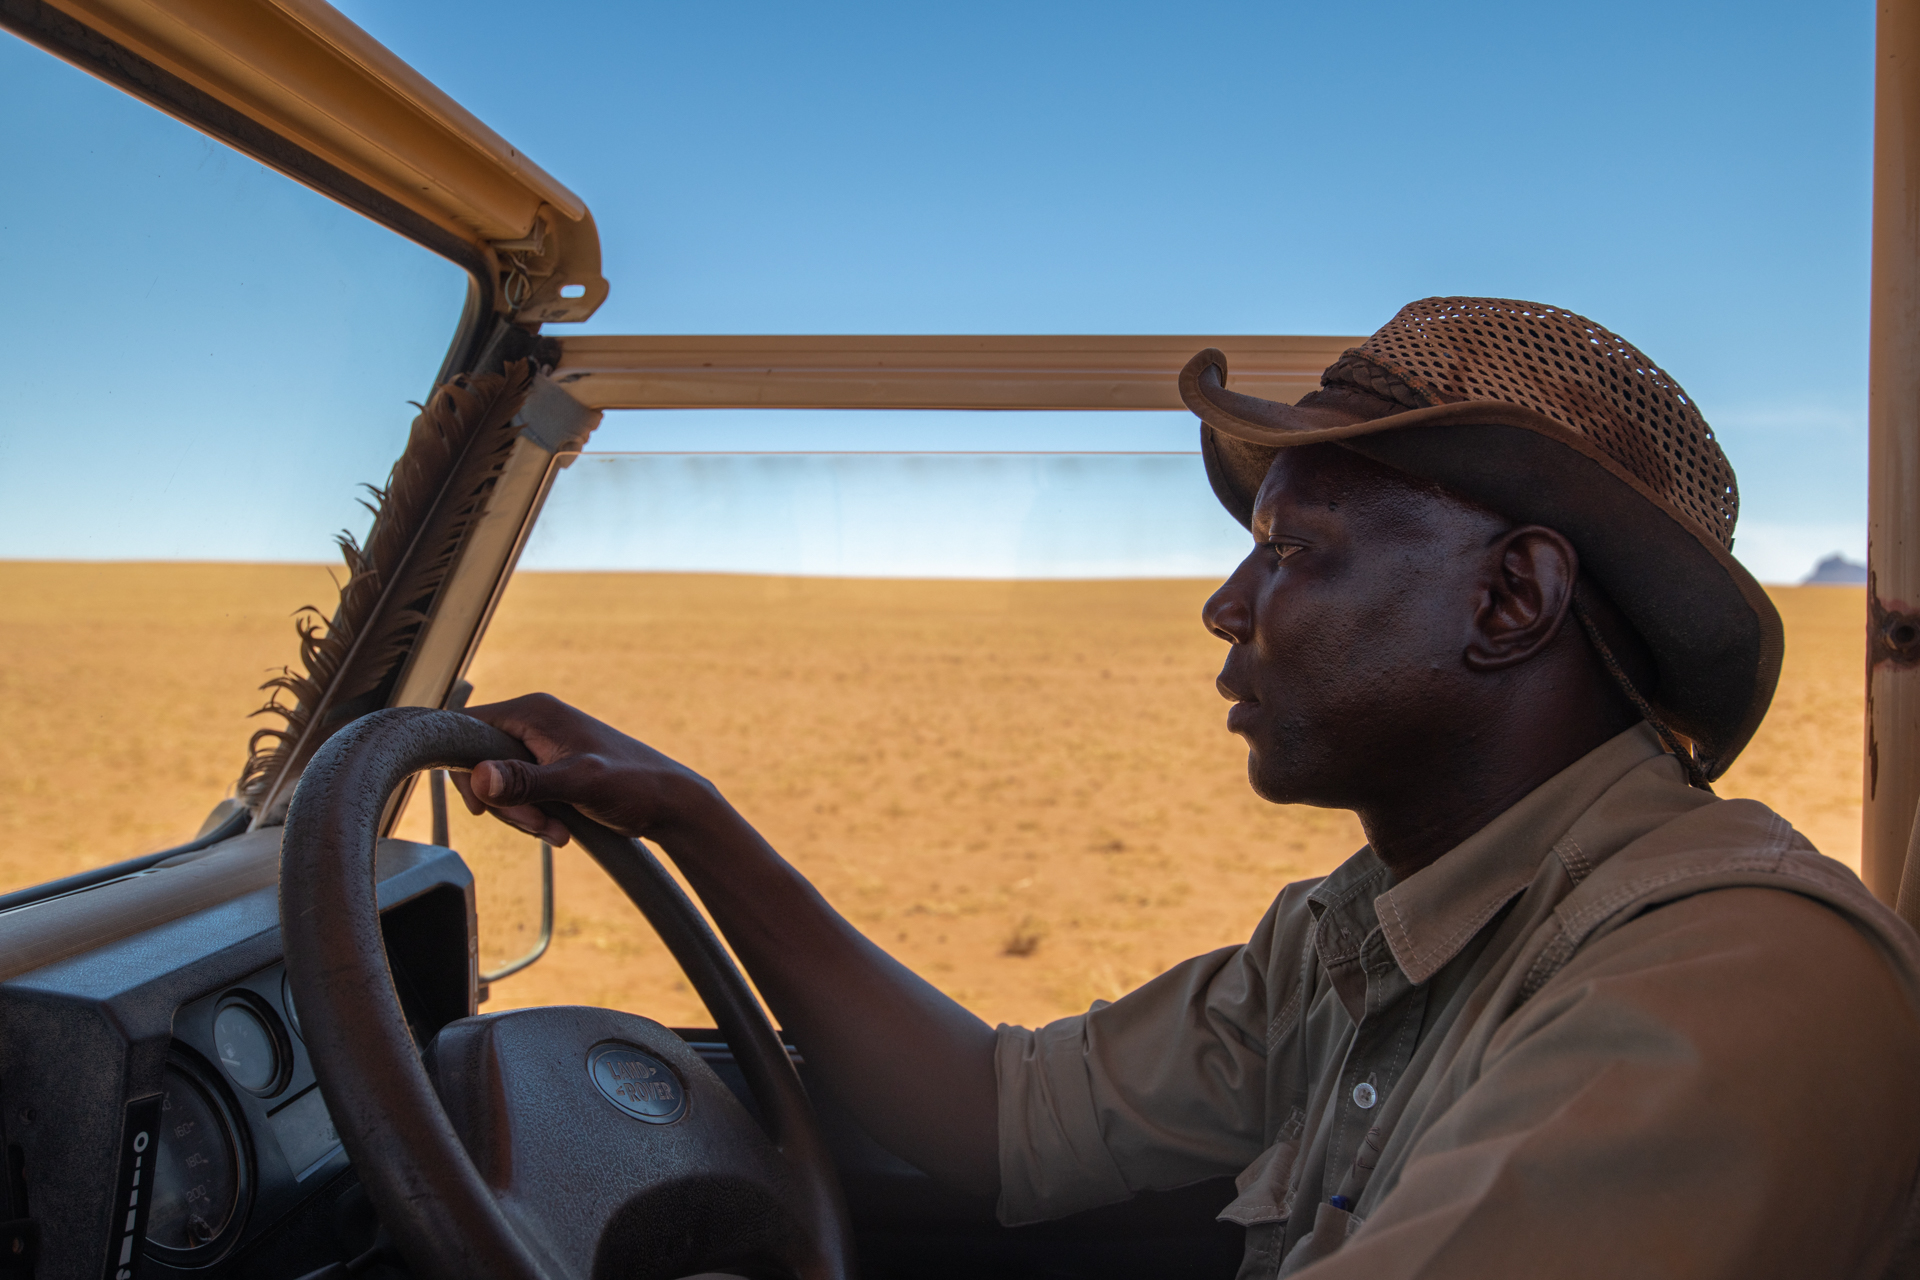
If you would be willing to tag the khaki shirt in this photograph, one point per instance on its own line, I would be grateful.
(1626, 1029)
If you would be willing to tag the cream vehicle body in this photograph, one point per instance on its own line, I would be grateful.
(574, 1142)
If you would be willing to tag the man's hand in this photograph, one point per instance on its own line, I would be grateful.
(618, 781)
(912, 1064)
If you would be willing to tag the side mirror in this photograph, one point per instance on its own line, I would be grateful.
(442, 836)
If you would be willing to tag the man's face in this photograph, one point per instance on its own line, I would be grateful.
(1348, 622)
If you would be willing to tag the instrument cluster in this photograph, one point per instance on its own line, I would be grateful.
(243, 1129)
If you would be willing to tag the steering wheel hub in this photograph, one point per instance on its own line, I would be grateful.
(637, 1082)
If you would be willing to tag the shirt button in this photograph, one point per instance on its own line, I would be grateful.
(1364, 1096)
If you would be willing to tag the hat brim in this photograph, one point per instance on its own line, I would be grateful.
(1716, 638)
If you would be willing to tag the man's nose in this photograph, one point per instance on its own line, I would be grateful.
(1227, 613)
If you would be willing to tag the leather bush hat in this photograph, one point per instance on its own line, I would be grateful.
(1547, 418)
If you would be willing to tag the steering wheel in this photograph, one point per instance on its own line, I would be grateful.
(544, 1143)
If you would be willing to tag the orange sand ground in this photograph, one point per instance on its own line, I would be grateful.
(1024, 790)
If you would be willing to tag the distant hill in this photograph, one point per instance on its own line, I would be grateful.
(1836, 571)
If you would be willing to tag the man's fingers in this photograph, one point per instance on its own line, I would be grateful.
(507, 716)
(535, 822)
(480, 798)
(460, 784)
(544, 723)
(506, 784)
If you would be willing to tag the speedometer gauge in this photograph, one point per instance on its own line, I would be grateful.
(200, 1173)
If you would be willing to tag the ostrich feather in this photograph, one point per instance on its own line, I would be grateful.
(421, 519)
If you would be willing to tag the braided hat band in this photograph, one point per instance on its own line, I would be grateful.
(1548, 418)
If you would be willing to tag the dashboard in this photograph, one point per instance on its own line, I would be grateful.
(159, 1116)
(158, 1110)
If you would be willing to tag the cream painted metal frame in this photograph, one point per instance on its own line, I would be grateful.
(1890, 832)
(924, 372)
(299, 87)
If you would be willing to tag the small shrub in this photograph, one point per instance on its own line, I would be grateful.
(1025, 938)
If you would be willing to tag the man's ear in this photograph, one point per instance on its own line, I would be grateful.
(1528, 590)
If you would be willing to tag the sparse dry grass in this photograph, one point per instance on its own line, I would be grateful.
(1024, 790)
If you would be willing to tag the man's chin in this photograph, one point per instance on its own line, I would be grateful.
(1274, 785)
(1290, 782)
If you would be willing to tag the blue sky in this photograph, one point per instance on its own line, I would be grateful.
(208, 358)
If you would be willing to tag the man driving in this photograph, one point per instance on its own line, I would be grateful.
(1565, 1013)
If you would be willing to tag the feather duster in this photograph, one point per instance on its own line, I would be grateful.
(421, 519)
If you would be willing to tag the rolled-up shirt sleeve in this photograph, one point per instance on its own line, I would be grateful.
(1161, 1088)
(1718, 1088)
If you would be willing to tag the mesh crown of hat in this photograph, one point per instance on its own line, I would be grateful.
(1448, 350)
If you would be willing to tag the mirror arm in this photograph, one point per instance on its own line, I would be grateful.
(546, 917)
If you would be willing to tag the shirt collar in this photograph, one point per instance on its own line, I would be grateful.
(1431, 915)
(1344, 920)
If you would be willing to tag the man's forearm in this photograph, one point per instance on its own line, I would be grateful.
(913, 1065)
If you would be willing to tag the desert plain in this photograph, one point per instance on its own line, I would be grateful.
(1024, 790)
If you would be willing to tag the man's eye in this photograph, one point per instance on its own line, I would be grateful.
(1281, 550)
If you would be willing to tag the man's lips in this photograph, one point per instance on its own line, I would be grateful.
(1240, 716)
(1243, 706)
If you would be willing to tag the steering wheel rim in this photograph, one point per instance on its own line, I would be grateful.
(416, 1169)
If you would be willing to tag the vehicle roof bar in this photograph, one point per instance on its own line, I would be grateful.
(945, 371)
(298, 87)
(1892, 764)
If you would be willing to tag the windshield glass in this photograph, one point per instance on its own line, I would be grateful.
(966, 693)
(210, 359)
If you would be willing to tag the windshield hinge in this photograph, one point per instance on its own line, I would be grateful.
(552, 273)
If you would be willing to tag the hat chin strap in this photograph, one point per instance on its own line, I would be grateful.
(1668, 738)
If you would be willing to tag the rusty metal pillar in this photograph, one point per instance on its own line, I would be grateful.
(1892, 782)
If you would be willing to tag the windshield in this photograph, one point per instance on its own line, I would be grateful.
(170, 481)
(966, 693)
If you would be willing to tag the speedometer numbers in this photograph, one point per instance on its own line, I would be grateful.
(237, 1090)
(199, 1172)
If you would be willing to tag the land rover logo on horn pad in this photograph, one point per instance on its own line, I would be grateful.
(637, 1082)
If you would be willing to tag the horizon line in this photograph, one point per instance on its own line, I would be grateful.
(331, 566)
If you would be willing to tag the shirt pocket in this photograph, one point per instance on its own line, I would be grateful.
(1263, 1184)
(1331, 1228)
(1261, 1261)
